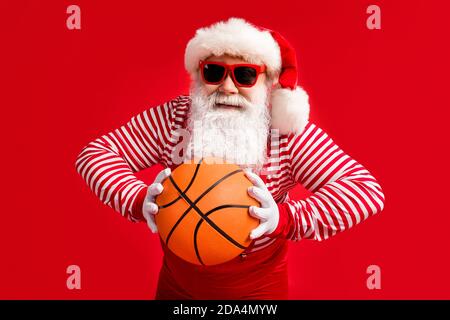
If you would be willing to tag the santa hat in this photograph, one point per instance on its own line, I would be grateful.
(237, 37)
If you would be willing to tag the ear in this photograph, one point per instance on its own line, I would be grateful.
(275, 81)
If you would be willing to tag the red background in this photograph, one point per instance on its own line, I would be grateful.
(382, 95)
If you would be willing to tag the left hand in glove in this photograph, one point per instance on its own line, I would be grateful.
(268, 212)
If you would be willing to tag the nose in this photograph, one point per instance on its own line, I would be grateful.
(228, 86)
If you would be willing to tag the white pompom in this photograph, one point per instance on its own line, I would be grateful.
(290, 110)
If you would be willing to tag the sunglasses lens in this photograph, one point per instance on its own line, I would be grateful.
(213, 72)
(245, 75)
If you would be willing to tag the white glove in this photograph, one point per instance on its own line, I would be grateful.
(268, 212)
(149, 207)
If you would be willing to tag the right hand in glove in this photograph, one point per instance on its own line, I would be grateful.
(149, 207)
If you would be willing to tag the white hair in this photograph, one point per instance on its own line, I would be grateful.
(234, 135)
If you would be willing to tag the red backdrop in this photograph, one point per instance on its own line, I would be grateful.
(380, 94)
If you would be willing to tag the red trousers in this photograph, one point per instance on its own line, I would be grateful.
(257, 276)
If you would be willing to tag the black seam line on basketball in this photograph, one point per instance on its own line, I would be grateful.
(186, 190)
(197, 227)
(192, 205)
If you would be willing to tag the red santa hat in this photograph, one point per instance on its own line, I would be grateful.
(237, 37)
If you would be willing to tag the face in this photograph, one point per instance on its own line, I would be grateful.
(229, 88)
(229, 122)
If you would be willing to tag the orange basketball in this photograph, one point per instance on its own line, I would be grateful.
(203, 212)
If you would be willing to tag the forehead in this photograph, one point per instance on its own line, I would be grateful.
(226, 59)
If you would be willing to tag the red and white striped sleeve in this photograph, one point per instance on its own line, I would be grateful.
(108, 163)
(344, 193)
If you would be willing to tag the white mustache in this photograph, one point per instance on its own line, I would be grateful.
(232, 100)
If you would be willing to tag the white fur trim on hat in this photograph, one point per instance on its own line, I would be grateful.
(290, 110)
(234, 37)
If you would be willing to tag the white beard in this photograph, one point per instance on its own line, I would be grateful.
(233, 135)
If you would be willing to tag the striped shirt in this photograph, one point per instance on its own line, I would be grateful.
(344, 193)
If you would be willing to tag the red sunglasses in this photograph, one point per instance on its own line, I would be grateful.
(243, 74)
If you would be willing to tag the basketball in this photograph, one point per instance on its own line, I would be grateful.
(203, 212)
